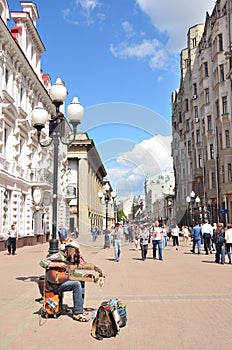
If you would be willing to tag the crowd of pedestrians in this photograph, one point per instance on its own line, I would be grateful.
(204, 238)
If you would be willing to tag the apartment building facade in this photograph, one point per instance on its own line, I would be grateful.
(201, 121)
(25, 167)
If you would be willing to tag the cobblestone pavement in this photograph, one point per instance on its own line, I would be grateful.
(183, 302)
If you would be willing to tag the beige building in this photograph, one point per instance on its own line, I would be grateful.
(25, 168)
(86, 176)
(201, 121)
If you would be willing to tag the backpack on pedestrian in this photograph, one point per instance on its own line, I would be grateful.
(111, 316)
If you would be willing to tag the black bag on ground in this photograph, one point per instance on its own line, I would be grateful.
(104, 324)
(111, 315)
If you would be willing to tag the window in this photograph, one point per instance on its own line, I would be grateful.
(194, 42)
(209, 122)
(203, 126)
(213, 177)
(6, 77)
(180, 117)
(21, 94)
(211, 151)
(174, 125)
(217, 109)
(223, 173)
(227, 134)
(195, 89)
(206, 71)
(189, 147)
(207, 95)
(196, 114)
(220, 42)
(229, 172)
(224, 105)
(199, 161)
(186, 105)
(198, 136)
(187, 125)
(221, 72)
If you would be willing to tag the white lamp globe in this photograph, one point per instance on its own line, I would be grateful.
(75, 112)
(58, 91)
(39, 116)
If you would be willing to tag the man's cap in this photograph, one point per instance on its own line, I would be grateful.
(73, 244)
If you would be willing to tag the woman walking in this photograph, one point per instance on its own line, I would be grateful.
(144, 237)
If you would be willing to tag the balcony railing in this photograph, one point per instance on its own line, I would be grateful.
(41, 176)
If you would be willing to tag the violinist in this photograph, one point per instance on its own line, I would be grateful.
(70, 257)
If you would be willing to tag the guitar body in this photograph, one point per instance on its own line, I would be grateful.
(57, 275)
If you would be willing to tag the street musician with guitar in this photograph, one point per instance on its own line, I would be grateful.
(64, 273)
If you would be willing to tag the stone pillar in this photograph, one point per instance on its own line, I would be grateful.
(83, 197)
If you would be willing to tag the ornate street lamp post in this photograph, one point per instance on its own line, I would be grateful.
(75, 111)
(191, 200)
(188, 200)
(107, 196)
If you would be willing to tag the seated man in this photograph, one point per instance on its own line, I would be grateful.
(62, 260)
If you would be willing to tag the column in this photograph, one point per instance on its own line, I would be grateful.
(83, 197)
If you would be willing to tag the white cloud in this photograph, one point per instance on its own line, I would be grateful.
(84, 9)
(89, 5)
(149, 158)
(128, 29)
(173, 18)
(176, 17)
(151, 50)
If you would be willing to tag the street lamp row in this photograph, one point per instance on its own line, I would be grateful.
(107, 196)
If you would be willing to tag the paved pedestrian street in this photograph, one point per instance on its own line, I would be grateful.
(183, 302)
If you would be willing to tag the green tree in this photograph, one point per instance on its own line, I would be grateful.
(121, 215)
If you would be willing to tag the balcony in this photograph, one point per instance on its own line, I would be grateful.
(41, 177)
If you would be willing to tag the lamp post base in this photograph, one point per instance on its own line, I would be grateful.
(53, 246)
(107, 240)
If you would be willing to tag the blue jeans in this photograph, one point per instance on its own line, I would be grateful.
(76, 288)
(220, 252)
(155, 243)
(117, 248)
(198, 243)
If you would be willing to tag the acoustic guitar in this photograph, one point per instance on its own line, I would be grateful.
(58, 275)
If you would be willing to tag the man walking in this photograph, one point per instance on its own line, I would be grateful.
(156, 234)
(196, 235)
(207, 232)
(117, 235)
(12, 238)
(63, 233)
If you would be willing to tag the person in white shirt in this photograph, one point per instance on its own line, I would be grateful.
(117, 235)
(175, 236)
(228, 238)
(11, 239)
(207, 233)
(156, 234)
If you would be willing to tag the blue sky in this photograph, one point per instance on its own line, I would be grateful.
(121, 58)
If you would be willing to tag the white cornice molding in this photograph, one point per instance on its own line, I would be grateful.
(25, 18)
